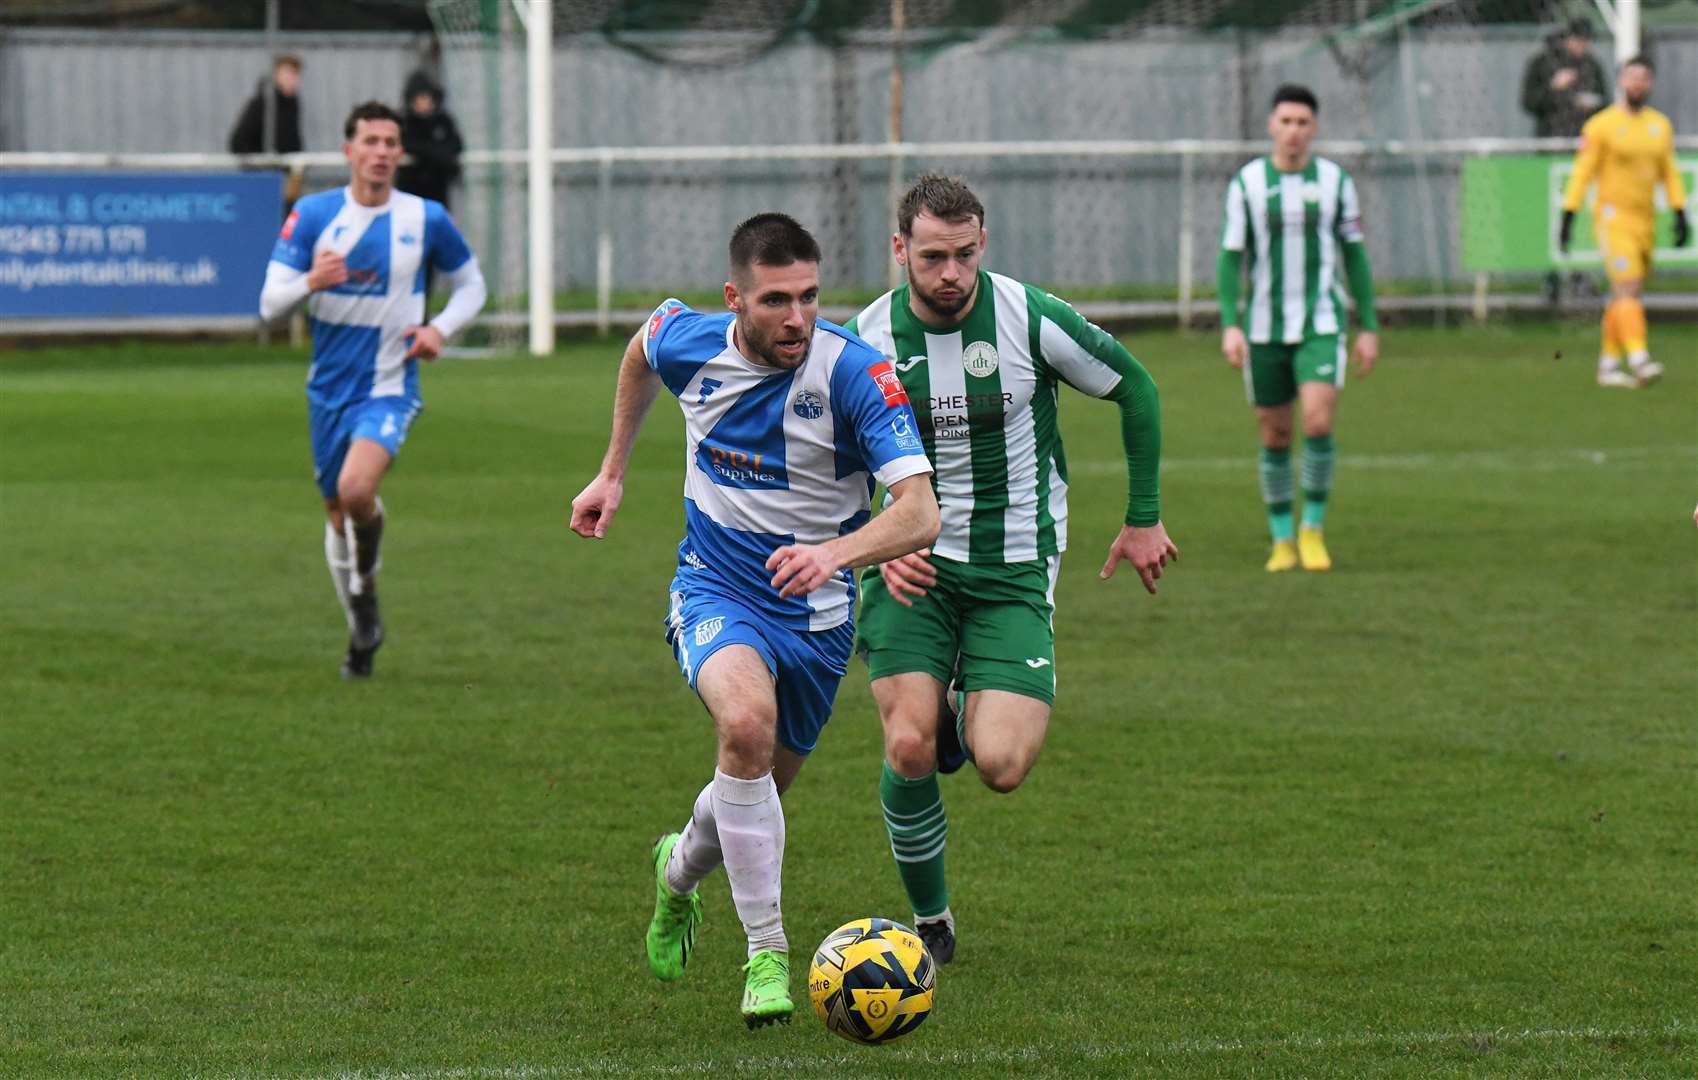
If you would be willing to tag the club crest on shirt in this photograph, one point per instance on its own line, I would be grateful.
(889, 384)
(979, 359)
(808, 405)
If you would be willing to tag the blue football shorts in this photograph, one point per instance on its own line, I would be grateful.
(383, 420)
(806, 665)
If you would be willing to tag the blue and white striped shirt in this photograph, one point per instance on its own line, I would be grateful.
(357, 326)
(776, 457)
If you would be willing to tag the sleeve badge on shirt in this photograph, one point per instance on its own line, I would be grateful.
(661, 314)
(289, 224)
(905, 437)
(889, 384)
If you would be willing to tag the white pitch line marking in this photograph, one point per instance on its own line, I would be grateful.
(1008, 1056)
(1551, 460)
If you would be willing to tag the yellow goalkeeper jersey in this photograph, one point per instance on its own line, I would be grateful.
(1627, 152)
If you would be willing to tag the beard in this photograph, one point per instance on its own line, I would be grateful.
(765, 349)
(945, 308)
(1636, 100)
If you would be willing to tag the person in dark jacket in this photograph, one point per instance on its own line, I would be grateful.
(1564, 84)
(431, 140)
(248, 136)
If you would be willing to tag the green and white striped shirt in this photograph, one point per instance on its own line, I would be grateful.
(985, 395)
(1293, 225)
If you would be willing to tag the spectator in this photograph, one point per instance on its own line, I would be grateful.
(431, 140)
(1564, 84)
(248, 136)
(1561, 88)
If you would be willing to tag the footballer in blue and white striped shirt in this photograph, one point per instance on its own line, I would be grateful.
(357, 255)
(789, 421)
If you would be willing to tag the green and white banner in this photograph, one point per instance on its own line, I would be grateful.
(1512, 209)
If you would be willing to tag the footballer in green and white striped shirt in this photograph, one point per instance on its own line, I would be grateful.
(982, 358)
(1299, 219)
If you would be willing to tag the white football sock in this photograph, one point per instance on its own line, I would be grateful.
(945, 916)
(1638, 359)
(341, 563)
(696, 853)
(751, 835)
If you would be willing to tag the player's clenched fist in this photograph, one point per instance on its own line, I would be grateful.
(593, 509)
(328, 271)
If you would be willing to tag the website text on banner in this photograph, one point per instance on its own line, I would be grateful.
(93, 245)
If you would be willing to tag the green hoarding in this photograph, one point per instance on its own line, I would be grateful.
(1512, 206)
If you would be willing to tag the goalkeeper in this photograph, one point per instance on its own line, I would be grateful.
(1627, 148)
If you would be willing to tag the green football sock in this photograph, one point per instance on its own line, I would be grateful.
(1317, 479)
(1274, 468)
(913, 815)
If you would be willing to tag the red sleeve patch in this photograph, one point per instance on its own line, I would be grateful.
(889, 384)
(289, 223)
(660, 315)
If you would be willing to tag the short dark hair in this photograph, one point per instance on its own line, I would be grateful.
(771, 239)
(288, 60)
(1580, 28)
(369, 110)
(1296, 95)
(947, 198)
(1641, 60)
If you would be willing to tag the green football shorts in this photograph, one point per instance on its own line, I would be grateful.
(1274, 370)
(998, 618)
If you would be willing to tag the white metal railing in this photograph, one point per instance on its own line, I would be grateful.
(615, 155)
(606, 158)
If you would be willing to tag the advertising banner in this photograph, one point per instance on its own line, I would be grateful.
(1512, 210)
(103, 245)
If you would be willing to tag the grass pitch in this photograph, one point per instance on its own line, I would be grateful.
(1428, 815)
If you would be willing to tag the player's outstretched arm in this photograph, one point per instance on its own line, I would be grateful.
(1360, 276)
(1675, 188)
(1229, 272)
(1586, 162)
(1142, 540)
(593, 509)
(909, 523)
(464, 302)
(1229, 269)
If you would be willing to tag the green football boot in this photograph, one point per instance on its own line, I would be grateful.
(766, 991)
(672, 931)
